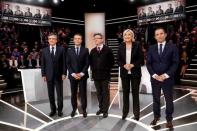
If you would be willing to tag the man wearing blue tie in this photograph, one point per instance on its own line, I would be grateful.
(162, 62)
(78, 63)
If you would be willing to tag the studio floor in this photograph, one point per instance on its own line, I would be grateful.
(34, 115)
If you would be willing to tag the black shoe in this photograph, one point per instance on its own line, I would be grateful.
(105, 115)
(84, 114)
(72, 113)
(51, 114)
(99, 112)
(60, 114)
(124, 116)
(136, 118)
(154, 122)
(169, 124)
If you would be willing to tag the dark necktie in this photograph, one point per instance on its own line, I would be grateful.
(77, 51)
(160, 49)
(52, 53)
(98, 49)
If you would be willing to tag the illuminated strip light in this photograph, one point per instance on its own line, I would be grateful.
(122, 18)
(67, 19)
(191, 11)
(121, 21)
(66, 22)
(32, 116)
(111, 115)
(16, 126)
(191, 6)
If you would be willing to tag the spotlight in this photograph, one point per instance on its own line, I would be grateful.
(40, 0)
(55, 1)
(62, 0)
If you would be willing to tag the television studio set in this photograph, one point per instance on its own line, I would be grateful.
(98, 65)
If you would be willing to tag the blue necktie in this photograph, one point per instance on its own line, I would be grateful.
(160, 49)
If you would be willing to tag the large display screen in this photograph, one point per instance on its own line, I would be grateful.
(25, 14)
(161, 12)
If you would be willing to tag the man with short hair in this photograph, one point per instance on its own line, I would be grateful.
(162, 63)
(101, 62)
(78, 63)
(53, 67)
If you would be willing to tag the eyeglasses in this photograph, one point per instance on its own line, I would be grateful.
(97, 38)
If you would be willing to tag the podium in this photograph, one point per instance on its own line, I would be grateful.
(34, 87)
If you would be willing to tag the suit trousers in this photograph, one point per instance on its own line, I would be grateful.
(127, 83)
(168, 94)
(82, 86)
(102, 90)
(58, 84)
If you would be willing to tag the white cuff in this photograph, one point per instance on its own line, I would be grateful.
(166, 75)
(73, 74)
(82, 74)
(154, 75)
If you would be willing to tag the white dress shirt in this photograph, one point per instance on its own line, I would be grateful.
(163, 46)
(128, 57)
(54, 49)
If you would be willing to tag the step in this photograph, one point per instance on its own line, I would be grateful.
(3, 86)
(2, 81)
(194, 61)
(186, 82)
(191, 71)
(190, 76)
(193, 66)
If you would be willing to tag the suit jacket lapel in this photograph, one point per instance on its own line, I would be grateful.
(124, 52)
(56, 52)
(73, 50)
(165, 50)
(157, 52)
(80, 51)
(133, 50)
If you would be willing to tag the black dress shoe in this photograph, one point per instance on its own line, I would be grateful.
(51, 114)
(99, 112)
(136, 118)
(105, 115)
(154, 122)
(60, 114)
(169, 124)
(72, 113)
(124, 116)
(85, 114)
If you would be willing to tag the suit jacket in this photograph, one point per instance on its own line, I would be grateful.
(77, 63)
(166, 63)
(137, 58)
(53, 68)
(101, 63)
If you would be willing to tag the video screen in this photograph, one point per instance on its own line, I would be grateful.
(161, 12)
(25, 14)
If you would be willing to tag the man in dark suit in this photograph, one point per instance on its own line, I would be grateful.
(179, 7)
(162, 62)
(78, 63)
(37, 15)
(7, 10)
(170, 9)
(28, 12)
(53, 67)
(101, 62)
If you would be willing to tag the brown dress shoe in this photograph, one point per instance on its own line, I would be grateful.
(154, 122)
(169, 124)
